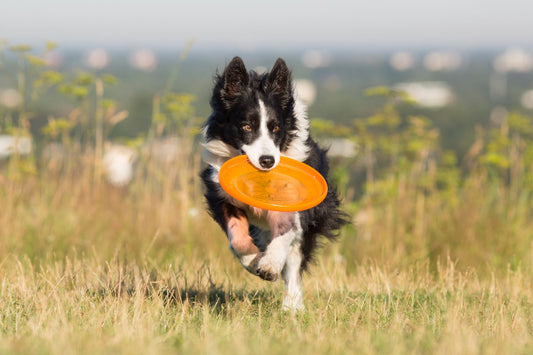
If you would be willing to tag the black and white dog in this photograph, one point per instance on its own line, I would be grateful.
(258, 115)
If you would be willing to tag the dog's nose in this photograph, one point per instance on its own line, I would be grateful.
(266, 161)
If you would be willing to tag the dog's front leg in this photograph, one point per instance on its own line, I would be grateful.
(292, 275)
(285, 231)
(240, 242)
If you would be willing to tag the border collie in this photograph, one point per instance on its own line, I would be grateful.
(258, 115)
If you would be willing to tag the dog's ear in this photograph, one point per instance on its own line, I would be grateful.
(235, 79)
(279, 82)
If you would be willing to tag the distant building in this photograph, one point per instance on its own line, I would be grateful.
(97, 59)
(143, 59)
(443, 61)
(305, 90)
(513, 60)
(10, 98)
(10, 145)
(340, 147)
(53, 59)
(431, 94)
(316, 59)
(402, 61)
(118, 164)
(527, 99)
(119, 160)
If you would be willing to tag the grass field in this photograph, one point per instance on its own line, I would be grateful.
(439, 258)
(206, 305)
(105, 271)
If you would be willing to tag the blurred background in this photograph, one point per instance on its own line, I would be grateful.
(464, 63)
(426, 107)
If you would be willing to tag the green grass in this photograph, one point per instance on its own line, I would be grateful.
(207, 305)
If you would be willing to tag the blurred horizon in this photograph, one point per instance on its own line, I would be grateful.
(249, 26)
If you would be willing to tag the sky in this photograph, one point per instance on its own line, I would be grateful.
(269, 23)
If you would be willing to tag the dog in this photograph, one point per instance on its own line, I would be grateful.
(259, 115)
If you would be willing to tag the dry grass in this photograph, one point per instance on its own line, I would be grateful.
(87, 268)
(89, 305)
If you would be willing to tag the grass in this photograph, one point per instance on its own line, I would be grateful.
(94, 269)
(205, 305)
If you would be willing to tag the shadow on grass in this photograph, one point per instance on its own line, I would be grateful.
(216, 296)
(178, 290)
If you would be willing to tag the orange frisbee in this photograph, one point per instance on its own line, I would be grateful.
(290, 186)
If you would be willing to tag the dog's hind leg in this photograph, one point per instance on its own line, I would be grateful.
(285, 231)
(292, 276)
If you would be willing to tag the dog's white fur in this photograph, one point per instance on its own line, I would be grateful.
(298, 148)
(292, 277)
(263, 145)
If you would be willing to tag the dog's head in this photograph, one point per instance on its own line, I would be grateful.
(253, 113)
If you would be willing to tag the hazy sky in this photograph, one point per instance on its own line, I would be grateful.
(271, 23)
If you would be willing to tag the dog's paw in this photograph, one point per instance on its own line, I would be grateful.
(267, 269)
(293, 304)
(267, 275)
(250, 262)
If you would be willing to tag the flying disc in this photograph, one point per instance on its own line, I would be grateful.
(290, 186)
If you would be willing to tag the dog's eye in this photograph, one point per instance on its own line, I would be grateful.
(247, 128)
(275, 129)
